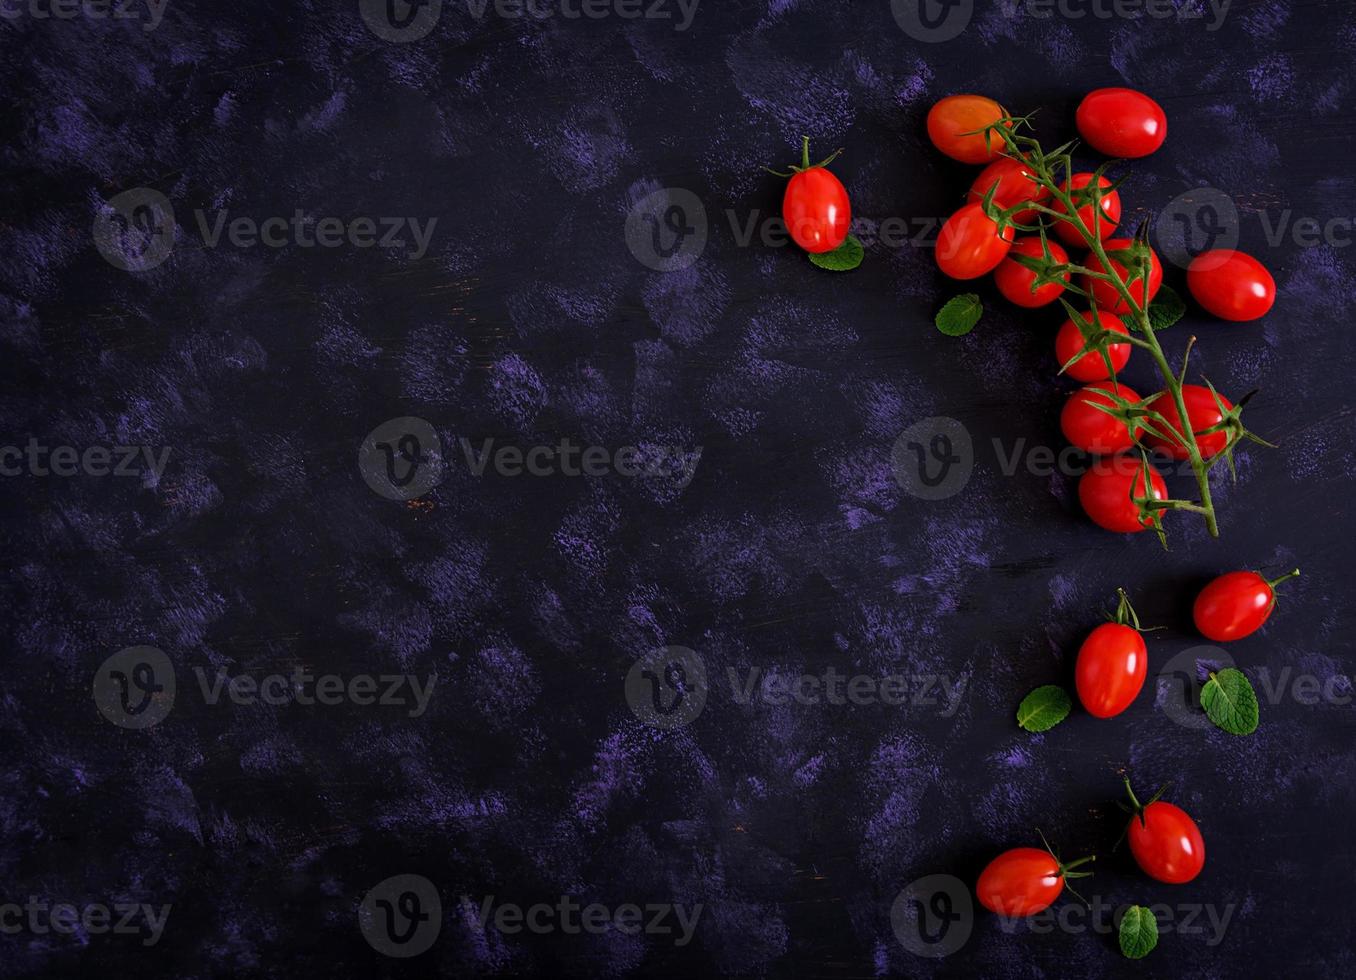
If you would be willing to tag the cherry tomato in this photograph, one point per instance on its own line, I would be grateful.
(1015, 185)
(1231, 285)
(1121, 122)
(1104, 491)
(1107, 296)
(1091, 429)
(816, 209)
(1203, 413)
(1023, 881)
(968, 244)
(1091, 366)
(1235, 605)
(957, 115)
(1014, 280)
(1165, 841)
(1112, 664)
(1111, 211)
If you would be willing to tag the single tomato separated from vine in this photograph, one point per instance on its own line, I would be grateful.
(1105, 492)
(1236, 605)
(1014, 280)
(1230, 284)
(1024, 880)
(1106, 224)
(1088, 427)
(815, 206)
(1165, 841)
(955, 127)
(1204, 413)
(1112, 664)
(968, 245)
(1015, 185)
(1092, 365)
(1121, 122)
(1108, 297)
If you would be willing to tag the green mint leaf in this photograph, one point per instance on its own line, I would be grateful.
(844, 258)
(1166, 309)
(1139, 932)
(1044, 708)
(960, 314)
(1230, 702)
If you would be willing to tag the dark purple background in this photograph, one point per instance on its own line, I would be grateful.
(528, 778)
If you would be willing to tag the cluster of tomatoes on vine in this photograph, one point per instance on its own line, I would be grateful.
(1105, 418)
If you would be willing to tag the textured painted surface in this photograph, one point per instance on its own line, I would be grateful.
(260, 548)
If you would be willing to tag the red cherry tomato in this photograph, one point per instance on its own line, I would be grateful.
(1203, 413)
(1104, 491)
(1015, 185)
(816, 210)
(1107, 296)
(1091, 429)
(1121, 122)
(952, 118)
(968, 244)
(1112, 664)
(1014, 280)
(1111, 211)
(1231, 285)
(1165, 841)
(1235, 605)
(1023, 881)
(1091, 366)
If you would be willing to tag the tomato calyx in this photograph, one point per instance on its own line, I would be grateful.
(1125, 614)
(1048, 270)
(1097, 339)
(1272, 583)
(1136, 808)
(1136, 259)
(805, 163)
(1066, 870)
(1231, 423)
